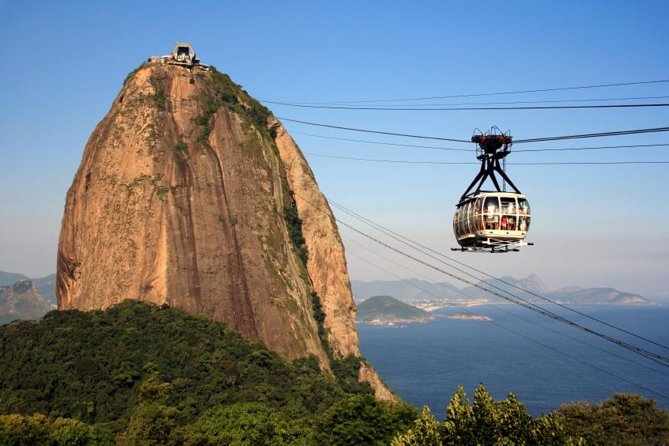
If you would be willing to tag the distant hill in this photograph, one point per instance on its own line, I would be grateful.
(407, 290)
(597, 296)
(413, 290)
(21, 300)
(45, 285)
(389, 309)
(10, 278)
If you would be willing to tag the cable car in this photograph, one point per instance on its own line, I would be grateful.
(486, 220)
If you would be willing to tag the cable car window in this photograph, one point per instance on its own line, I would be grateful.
(491, 221)
(478, 209)
(491, 205)
(508, 220)
(478, 204)
(508, 205)
(470, 217)
(524, 206)
(523, 223)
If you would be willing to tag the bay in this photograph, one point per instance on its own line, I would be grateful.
(543, 362)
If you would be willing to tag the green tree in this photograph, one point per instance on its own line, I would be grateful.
(459, 422)
(69, 432)
(485, 422)
(426, 431)
(363, 420)
(249, 424)
(17, 430)
(623, 419)
(150, 425)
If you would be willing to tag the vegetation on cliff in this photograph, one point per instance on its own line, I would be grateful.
(153, 374)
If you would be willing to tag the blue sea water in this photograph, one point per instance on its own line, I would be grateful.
(543, 362)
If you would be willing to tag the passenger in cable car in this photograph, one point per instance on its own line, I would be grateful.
(511, 225)
(504, 223)
(492, 222)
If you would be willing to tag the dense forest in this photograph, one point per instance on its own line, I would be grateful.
(140, 374)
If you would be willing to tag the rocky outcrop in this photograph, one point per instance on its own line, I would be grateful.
(21, 300)
(326, 263)
(188, 194)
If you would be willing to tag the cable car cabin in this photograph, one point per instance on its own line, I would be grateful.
(492, 220)
(495, 221)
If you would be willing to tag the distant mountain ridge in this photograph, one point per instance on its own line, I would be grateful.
(415, 290)
(45, 285)
(21, 300)
(405, 290)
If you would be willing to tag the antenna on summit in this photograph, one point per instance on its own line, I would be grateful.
(183, 55)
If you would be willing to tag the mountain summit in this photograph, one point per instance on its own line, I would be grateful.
(191, 193)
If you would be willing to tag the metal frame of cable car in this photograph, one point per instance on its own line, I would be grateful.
(494, 221)
(488, 153)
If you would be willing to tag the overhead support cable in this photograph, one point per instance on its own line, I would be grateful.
(517, 316)
(659, 359)
(566, 149)
(382, 143)
(557, 163)
(655, 357)
(594, 135)
(532, 339)
(415, 245)
(478, 104)
(485, 108)
(452, 149)
(519, 141)
(374, 160)
(501, 93)
(379, 132)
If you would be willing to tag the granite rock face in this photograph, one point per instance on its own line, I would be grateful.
(187, 195)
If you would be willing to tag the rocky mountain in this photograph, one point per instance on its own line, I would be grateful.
(21, 300)
(45, 285)
(7, 278)
(389, 309)
(412, 290)
(191, 193)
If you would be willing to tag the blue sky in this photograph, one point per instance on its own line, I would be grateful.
(63, 63)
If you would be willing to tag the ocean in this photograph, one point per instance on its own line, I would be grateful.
(543, 362)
